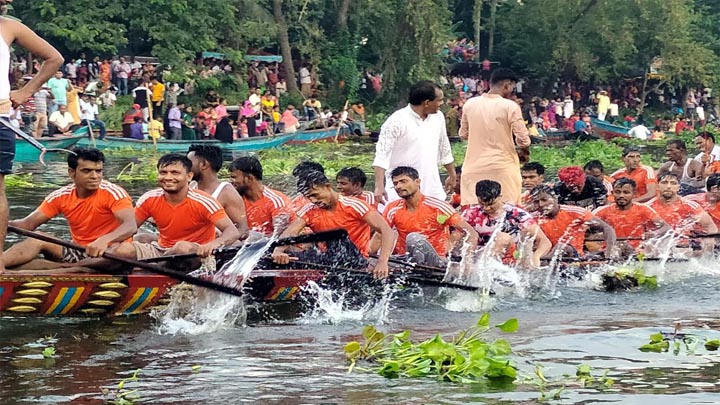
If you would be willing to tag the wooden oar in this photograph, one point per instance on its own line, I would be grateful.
(292, 240)
(135, 263)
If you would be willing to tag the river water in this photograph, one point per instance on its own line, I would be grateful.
(301, 361)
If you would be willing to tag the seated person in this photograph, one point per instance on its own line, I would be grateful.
(510, 228)
(329, 210)
(60, 121)
(576, 188)
(422, 222)
(136, 129)
(186, 218)
(100, 214)
(710, 201)
(351, 183)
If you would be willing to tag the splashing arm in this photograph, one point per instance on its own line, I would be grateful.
(279, 256)
(387, 242)
(608, 234)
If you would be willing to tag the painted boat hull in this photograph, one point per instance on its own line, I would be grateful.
(181, 146)
(24, 152)
(608, 131)
(316, 135)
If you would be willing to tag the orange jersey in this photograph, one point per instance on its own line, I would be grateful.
(369, 198)
(567, 227)
(349, 214)
(260, 213)
(680, 215)
(455, 200)
(89, 218)
(643, 176)
(193, 220)
(713, 168)
(432, 218)
(630, 223)
(713, 209)
(299, 202)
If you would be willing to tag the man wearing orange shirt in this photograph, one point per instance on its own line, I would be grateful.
(629, 219)
(710, 201)
(422, 222)
(98, 212)
(329, 210)
(565, 225)
(186, 218)
(299, 172)
(351, 182)
(643, 176)
(268, 211)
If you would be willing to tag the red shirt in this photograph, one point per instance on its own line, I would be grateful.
(260, 213)
(712, 209)
(432, 218)
(630, 223)
(642, 176)
(349, 214)
(681, 215)
(567, 227)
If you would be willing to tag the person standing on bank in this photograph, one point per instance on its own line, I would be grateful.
(415, 136)
(14, 31)
(489, 123)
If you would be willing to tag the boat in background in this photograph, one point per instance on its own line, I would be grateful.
(25, 152)
(607, 131)
(317, 135)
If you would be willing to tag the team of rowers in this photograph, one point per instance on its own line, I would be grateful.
(195, 212)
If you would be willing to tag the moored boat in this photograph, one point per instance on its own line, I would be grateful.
(25, 152)
(315, 135)
(607, 130)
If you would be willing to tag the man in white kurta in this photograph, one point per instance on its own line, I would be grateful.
(415, 136)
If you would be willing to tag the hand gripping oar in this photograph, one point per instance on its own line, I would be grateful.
(135, 263)
(32, 141)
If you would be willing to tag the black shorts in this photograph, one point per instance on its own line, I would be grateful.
(7, 148)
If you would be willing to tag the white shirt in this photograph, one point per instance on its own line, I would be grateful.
(108, 99)
(568, 108)
(700, 113)
(87, 112)
(408, 140)
(640, 132)
(305, 76)
(61, 120)
(614, 110)
(714, 154)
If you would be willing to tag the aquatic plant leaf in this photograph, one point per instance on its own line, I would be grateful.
(403, 336)
(484, 321)
(583, 370)
(656, 347)
(656, 337)
(368, 331)
(712, 345)
(390, 369)
(48, 352)
(500, 347)
(352, 350)
(509, 326)
(650, 282)
(510, 372)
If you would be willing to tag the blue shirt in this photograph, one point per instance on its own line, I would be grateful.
(58, 88)
(136, 131)
(580, 125)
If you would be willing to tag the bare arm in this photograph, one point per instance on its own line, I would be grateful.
(279, 256)
(542, 245)
(30, 222)
(387, 242)
(649, 195)
(229, 234)
(126, 229)
(470, 232)
(608, 233)
(517, 124)
(234, 207)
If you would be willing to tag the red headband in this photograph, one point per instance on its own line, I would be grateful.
(572, 175)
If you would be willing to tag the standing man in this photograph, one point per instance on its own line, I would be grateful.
(415, 136)
(603, 105)
(175, 123)
(645, 187)
(158, 96)
(122, 71)
(59, 86)
(489, 123)
(42, 98)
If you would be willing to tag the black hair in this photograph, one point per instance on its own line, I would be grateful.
(630, 149)
(307, 166)
(311, 179)
(458, 169)
(542, 189)
(624, 181)
(211, 153)
(706, 135)
(89, 154)
(137, 119)
(533, 166)
(422, 91)
(502, 74)
(594, 164)
(172, 158)
(713, 180)
(404, 171)
(355, 175)
(664, 175)
(679, 144)
(487, 190)
(248, 165)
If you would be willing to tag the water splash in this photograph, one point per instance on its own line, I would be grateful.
(334, 307)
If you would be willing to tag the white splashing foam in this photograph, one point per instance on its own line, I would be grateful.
(330, 307)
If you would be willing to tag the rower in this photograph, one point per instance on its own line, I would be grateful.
(709, 151)
(629, 219)
(186, 218)
(683, 215)
(565, 225)
(422, 222)
(643, 176)
(710, 201)
(595, 168)
(330, 210)
(268, 211)
(302, 168)
(98, 212)
(533, 175)
(351, 181)
(576, 188)
(207, 161)
(517, 226)
(689, 171)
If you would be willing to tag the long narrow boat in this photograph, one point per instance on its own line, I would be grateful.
(24, 152)
(607, 130)
(316, 135)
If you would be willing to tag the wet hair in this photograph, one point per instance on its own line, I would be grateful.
(310, 180)
(211, 153)
(173, 158)
(355, 175)
(624, 181)
(404, 171)
(713, 180)
(679, 144)
(542, 189)
(630, 149)
(307, 166)
(594, 164)
(89, 154)
(422, 91)
(706, 135)
(502, 74)
(666, 175)
(248, 165)
(533, 166)
(487, 190)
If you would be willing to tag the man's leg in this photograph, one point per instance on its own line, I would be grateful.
(100, 125)
(422, 252)
(27, 250)
(7, 154)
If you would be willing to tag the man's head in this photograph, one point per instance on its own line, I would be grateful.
(705, 141)
(59, 74)
(595, 168)
(458, 183)
(307, 166)
(350, 181)
(155, 80)
(406, 181)
(488, 193)
(85, 168)
(533, 174)
(675, 150)
(573, 177)
(62, 108)
(631, 157)
(624, 191)
(544, 201)
(174, 172)
(244, 171)
(205, 158)
(503, 81)
(668, 186)
(426, 95)
(317, 188)
(713, 187)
